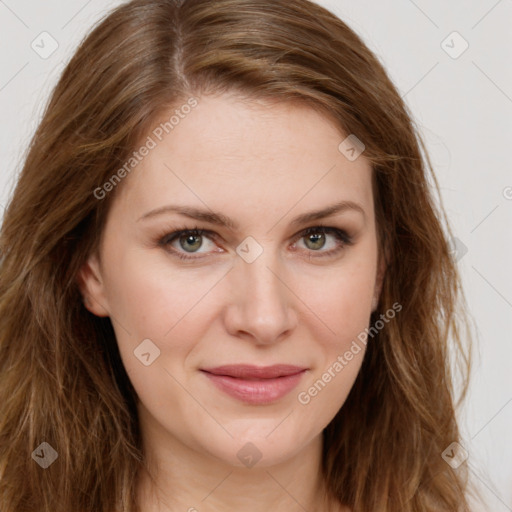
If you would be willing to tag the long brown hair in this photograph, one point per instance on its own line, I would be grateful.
(61, 377)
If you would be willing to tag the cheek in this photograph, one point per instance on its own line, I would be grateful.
(344, 306)
(151, 297)
(172, 308)
(343, 298)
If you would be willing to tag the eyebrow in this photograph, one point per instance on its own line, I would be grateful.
(221, 220)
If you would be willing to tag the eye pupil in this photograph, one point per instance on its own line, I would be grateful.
(195, 242)
(317, 240)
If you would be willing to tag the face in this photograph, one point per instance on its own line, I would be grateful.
(238, 264)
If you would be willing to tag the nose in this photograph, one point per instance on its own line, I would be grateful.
(261, 305)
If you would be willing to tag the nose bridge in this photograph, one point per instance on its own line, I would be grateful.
(265, 287)
(264, 305)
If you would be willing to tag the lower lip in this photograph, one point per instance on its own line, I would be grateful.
(256, 392)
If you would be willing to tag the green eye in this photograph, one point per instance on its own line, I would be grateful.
(315, 241)
(196, 242)
(324, 240)
(191, 243)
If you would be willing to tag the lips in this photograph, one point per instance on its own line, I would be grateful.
(249, 372)
(255, 385)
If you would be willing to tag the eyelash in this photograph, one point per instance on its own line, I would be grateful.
(340, 234)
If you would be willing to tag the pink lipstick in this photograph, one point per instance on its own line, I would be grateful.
(256, 385)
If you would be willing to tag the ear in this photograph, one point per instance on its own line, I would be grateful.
(91, 286)
(381, 271)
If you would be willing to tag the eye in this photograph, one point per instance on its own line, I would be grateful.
(196, 243)
(189, 241)
(324, 240)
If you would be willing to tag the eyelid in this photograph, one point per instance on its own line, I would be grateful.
(176, 233)
(321, 228)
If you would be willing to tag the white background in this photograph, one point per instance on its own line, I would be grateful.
(463, 107)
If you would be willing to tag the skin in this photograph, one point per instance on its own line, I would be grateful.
(261, 165)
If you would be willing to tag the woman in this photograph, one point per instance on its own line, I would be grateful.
(225, 282)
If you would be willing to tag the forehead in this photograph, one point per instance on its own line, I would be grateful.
(231, 153)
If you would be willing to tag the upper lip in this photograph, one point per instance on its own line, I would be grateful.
(247, 371)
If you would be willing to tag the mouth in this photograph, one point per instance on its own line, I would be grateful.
(255, 385)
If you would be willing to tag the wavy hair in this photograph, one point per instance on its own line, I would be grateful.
(61, 376)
